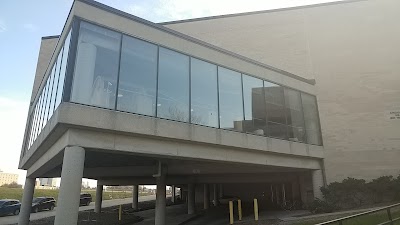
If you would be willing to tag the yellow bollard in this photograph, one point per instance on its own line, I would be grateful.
(230, 212)
(240, 209)
(255, 210)
(120, 213)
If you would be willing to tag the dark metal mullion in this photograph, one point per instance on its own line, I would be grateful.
(52, 86)
(219, 113)
(59, 73)
(118, 73)
(265, 108)
(157, 75)
(285, 113)
(319, 121)
(190, 89)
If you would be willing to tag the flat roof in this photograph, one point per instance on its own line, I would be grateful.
(192, 39)
(260, 12)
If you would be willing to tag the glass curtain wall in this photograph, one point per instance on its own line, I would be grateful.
(50, 96)
(204, 93)
(137, 77)
(150, 80)
(254, 105)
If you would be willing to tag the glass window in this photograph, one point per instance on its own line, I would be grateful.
(50, 92)
(63, 66)
(254, 105)
(311, 119)
(138, 77)
(230, 99)
(275, 107)
(34, 122)
(45, 103)
(294, 115)
(55, 83)
(38, 126)
(204, 96)
(173, 86)
(96, 67)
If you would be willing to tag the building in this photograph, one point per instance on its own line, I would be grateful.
(226, 105)
(49, 182)
(8, 178)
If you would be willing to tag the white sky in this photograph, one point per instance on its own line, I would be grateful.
(13, 111)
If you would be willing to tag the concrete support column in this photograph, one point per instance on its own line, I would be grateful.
(160, 197)
(135, 197)
(318, 182)
(99, 199)
(215, 195)
(206, 197)
(26, 205)
(181, 193)
(173, 196)
(191, 199)
(302, 187)
(70, 187)
(221, 191)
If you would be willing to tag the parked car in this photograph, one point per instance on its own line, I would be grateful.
(86, 199)
(41, 203)
(9, 206)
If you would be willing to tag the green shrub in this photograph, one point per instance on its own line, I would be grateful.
(322, 206)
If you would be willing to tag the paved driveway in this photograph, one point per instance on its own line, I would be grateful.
(44, 214)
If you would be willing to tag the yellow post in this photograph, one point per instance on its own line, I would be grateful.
(120, 213)
(230, 212)
(255, 210)
(240, 209)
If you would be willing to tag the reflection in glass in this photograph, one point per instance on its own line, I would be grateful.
(46, 103)
(204, 109)
(173, 86)
(96, 67)
(275, 108)
(294, 115)
(311, 119)
(254, 105)
(230, 99)
(63, 66)
(138, 77)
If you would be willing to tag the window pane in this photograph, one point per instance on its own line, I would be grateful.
(311, 119)
(39, 125)
(230, 99)
(294, 115)
(96, 68)
(138, 77)
(275, 107)
(55, 83)
(254, 105)
(204, 109)
(173, 86)
(46, 103)
(63, 67)
(50, 92)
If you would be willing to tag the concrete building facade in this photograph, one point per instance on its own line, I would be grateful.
(129, 102)
(8, 178)
(348, 47)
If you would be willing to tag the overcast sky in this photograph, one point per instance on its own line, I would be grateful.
(24, 22)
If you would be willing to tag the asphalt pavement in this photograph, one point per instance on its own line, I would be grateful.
(106, 203)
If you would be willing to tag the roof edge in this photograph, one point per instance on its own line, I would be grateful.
(260, 12)
(51, 37)
(192, 39)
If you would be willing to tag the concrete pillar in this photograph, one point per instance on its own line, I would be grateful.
(160, 199)
(318, 182)
(135, 197)
(173, 196)
(99, 199)
(206, 196)
(215, 195)
(303, 190)
(191, 199)
(70, 187)
(181, 193)
(26, 205)
(221, 191)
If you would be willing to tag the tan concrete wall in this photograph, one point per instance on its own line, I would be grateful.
(351, 49)
(46, 50)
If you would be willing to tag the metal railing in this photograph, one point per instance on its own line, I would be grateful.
(387, 208)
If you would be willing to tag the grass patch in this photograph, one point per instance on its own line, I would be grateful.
(371, 219)
(16, 193)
